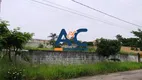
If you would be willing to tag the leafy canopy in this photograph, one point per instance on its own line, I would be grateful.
(107, 47)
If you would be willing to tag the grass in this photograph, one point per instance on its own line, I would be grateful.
(54, 72)
(60, 72)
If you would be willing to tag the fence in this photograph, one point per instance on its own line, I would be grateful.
(55, 57)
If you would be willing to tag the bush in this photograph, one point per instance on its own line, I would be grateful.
(14, 74)
(91, 49)
(106, 47)
(40, 46)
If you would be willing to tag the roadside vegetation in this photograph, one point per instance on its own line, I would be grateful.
(59, 72)
(12, 44)
(10, 71)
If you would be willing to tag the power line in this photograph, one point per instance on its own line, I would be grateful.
(106, 14)
(63, 6)
(74, 12)
(110, 23)
(68, 11)
(90, 16)
(61, 9)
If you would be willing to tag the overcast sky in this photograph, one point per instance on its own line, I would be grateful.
(43, 20)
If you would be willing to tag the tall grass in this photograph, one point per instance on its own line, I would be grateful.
(60, 72)
(54, 72)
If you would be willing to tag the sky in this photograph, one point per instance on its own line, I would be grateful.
(42, 20)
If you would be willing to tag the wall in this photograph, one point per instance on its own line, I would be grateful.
(54, 57)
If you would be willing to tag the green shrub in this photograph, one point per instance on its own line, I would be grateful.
(14, 74)
(91, 49)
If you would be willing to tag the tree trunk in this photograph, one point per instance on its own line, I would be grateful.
(139, 57)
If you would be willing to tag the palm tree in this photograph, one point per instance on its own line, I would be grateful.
(53, 37)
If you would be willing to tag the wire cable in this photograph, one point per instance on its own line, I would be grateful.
(74, 10)
(107, 14)
(77, 13)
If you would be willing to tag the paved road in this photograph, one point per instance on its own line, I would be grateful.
(128, 75)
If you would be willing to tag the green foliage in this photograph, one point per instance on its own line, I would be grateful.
(18, 39)
(134, 43)
(91, 49)
(3, 28)
(12, 39)
(4, 32)
(119, 37)
(139, 35)
(14, 74)
(53, 37)
(59, 72)
(130, 42)
(52, 42)
(90, 44)
(41, 46)
(107, 47)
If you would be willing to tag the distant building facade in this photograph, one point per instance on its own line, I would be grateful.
(37, 42)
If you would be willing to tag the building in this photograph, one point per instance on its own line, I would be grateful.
(36, 42)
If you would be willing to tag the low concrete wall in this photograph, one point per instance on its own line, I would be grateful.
(54, 57)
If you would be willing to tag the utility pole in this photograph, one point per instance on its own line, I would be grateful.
(0, 5)
(0, 8)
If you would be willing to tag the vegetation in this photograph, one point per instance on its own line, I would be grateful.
(91, 49)
(60, 72)
(12, 40)
(107, 47)
(53, 37)
(139, 35)
(130, 42)
(40, 46)
(14, 74)
(134, 43)
(90, 44)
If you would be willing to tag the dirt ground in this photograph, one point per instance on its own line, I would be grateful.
(128, 75)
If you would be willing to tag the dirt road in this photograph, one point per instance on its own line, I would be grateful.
(128, 75)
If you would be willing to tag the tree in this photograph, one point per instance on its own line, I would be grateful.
(4, 33)
(119, 37)
(130, 42)
(90, 43)
(139, 35)
(19, 39)
(13, 39)
(53, 37)
(107, 47)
